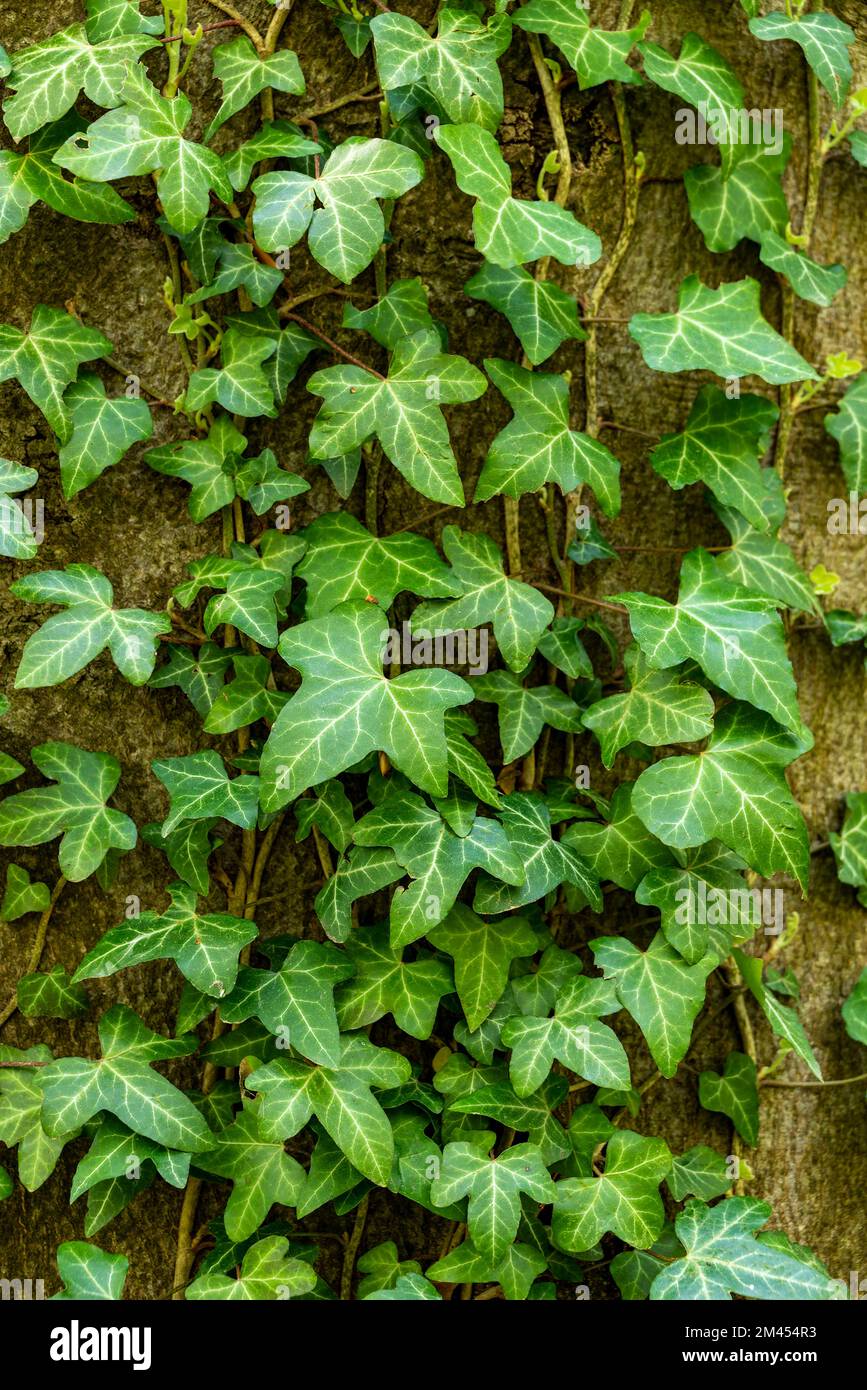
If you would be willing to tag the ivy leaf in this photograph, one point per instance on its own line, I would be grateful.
(245, 699)
(347, 708)
(402, 411)
(735, 636)
(764, 564)
(734, 1094)
(547, 862)
(52, 995)
(516, 1272)
(21, 895)
(205, 947)
(850, 845)
(206, 464)
(818, 284)
(700, 1172)
(75, 806)
(382, 1267)
(363, 872)
(396, 315)
(21, 1092)
(824, 40)
(538, 446)
(344, 561)
(677, 890)
(88, 1273)
(529, 1115)
(720, 330)
(385, 983)
(331, 811)
(735, 791)
(620, 848)
(743, 197)
(33, 177)
(293, 345)
(267, 1272)
(295, 1002)
(541, 314)
(493, 1186)
(595, 55)
(146, 135)
(347, 230)
(458, 67)
(624, 1200)
(700, 75)
(67, 642)
(239, 268)
(273, 140)
(409, 1287)
(573, 1036)
(106, 19)
(722, 445)
(199, 674)
(564, 649)
(244, 74)
(465, 761)
(723, 1257)
(483, 953)
(17, 539)
(524, 712)
(249, 604)
(46, 359)
(342, 1099)
(124, 1084)
(509, 231)
(661, 993)
(240, 384)
(437, 859)
(48, 77)
(855, 1009)
(518, 612)
(102, 431)
(849, 427)
(199, 788)
(782, 1017)
(660, 708)
(113, 1149)
(261, 1171)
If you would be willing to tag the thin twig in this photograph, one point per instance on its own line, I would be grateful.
(38, 947)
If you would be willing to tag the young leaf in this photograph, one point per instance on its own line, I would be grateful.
(507, 230)
(21, 1092)
(240, 384)
(102, 431)
(267, 1272)
(344, 561)
(347, 230)
(624, 1199)
(849, 427)
(734, 1094)
(402, 411)
(17, 539)
(818, 284)
(743, 197)
(547, 862)
(538, 446)
(735, 637)
(69, 641)
(244, 74)
(659, 708)
(573, 1036)
(21, 895)
(458, 67)
(720, 330)
(261, 1171)
(295, 1002)
(541, 314)
(595, 55)
(89, 1273)
(385, 983)
(109, 1156)
(483, 953)
(825, 42)
(239, 267)
(347, 708)
(31, 177)
(46, 359)
(75, 806)
(53, 995)
(199, 787)
(106, 19)
(493, 1186)
(700, 75)
(524, 712)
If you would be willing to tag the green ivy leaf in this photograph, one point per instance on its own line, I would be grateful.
(465, 761)
(855, 1009)
(331, 811)
(402, 311)
(344, 561)
(22, 896)
(17, 539)
(347, 708)
(541, 314)
(33, 177)
(74, 807)
(524, 712)
(818, 284)
(659, 990)
(530, 1115)
(824, 40)
(198, 674)
(244, 74)
(245, 699)
(850, 845)
(538, 446)
(273, 140)
(743, 197)
(516, 1272)
(720, 330)
(507, 230)
(458, 67)
(625, 1199)
(735, 791)
(385, 983)
(402, 411)
(88, 1273)
(114, 1148)
(21, 1093)
(107, 19)
(240, 384)
(124, 1084)
(700, 1172)
(764, 564)
(347, 230)
(46, 359)
(660, 707)
(573, 1036)
(482, 953)
(620, 848)
(199, 787)
(102, 431)
(595, 55)
(69, 641)
(53, 995)
(735, 636)
(295, 1002)
(849, 427)
(782, 1017)
(677, 890)
(734, 1094)
(409, 1287)
(267, 1272)
(547, 862)
(700, 75)
(239, 268)
(146, 135)
(493, 1186)
(261, 1171)
(363, 872)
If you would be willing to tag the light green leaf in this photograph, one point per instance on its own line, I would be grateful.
(21, 895)
(199, 787)
(261, 1171)
(458, 67)
(855, 1009)
(595, 55)
(493, 1186)
(363, 872)
(850, 845)
(696, 920)
(524, 712)
(273, 140)
(515, 1272)
(700, 1172)
(268, 1272)
(21, 1091)
(385, 983)
(624, 1199)
(700, 75)
(402, 311)
(75, 806)
(743, 196)
(825, 42)
(507, 230)
(465, 761)
(530, 1115)
(88, 1273)
(541, 314)
(52, 995)
(734, 1094)
(295, 1002)
(238, 268)
(402, 411)
(573, 1036)
(240, 384)
(244, 74)
(69, 641)
(246, 699)
(660, 708)
(720, 330)
(115, 1148)
(102, 431)
(199, 675)
(782, 1017)
(547, 862)
(818, 284)
(46, 359)
(849, 427)
(47, 77)
(17, 538)
(764, 564)
(347, 708)
(621, 848)
(482, 953)
(106, 19)
(344, 561)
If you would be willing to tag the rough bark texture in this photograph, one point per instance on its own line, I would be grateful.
(811, 1162)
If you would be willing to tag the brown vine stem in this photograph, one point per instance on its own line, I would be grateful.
(318, 333)
(227, 8)
(579, 598)
(352, 1250)
(371, 92)
(843, 1081)
(748, 1042)
(38, 947)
